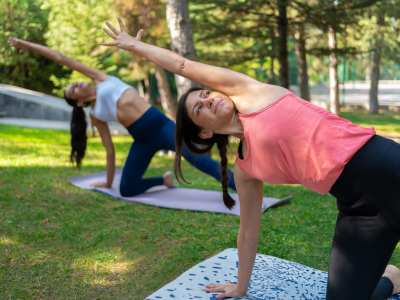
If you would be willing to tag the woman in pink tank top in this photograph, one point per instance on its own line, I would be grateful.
(288, 140)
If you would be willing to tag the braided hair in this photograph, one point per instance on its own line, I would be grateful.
(188, 133)
(78, 126)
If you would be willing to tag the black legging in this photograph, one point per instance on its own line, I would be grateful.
(368, 223)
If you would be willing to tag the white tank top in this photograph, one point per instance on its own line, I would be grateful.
(108, 92)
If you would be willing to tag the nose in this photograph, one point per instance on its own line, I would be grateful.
(208, 102)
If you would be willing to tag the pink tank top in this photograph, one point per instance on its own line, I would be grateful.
(294, 141)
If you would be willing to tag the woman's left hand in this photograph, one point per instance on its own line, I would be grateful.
(16, 43)
(226, 290)
(121, 38)
(101, 184)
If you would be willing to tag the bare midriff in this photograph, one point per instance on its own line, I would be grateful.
(130, 107)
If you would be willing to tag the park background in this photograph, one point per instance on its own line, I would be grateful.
(58, 242)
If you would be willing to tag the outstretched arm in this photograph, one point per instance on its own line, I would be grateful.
(224, 80)
(250, 195)
(59, 58)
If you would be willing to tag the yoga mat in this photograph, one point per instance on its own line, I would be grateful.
(272, 279)
(177, 198)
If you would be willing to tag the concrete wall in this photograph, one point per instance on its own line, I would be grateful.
(17, 102)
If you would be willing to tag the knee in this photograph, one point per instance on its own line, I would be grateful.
(128, 190)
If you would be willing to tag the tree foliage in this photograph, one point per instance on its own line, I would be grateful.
(26, 19)
(75, 29)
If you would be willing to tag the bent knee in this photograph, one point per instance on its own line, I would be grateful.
(129, 190)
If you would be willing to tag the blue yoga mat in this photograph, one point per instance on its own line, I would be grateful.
(272, 279)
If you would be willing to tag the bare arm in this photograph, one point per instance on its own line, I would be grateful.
(106, 139)
(59, 58)
(250, 195)
(227, 81)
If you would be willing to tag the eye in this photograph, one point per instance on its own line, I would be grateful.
(205, 93)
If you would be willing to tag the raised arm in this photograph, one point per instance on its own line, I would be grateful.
(106, 139)
(250, 195)
(224, 80)
(59, 58)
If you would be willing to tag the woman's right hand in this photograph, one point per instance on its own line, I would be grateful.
(121, 38)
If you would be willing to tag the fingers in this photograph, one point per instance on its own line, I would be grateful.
(139, 34)
(112, 43)
(12, 41)
(122, 26)
(110, 33)
(112, 28)
(215, 288)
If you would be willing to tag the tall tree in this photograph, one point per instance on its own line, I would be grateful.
(168, 101)
(301, 55)
(333, 18)
(282, 21)
(180, 29)
(375, 63)
(334, 103)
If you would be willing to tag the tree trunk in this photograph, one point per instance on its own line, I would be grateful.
(168, 102)
(146, 88)
(333, 74)
(375, 66)
(283, 50)
(302, 73)
(273, 55)
(180, 29)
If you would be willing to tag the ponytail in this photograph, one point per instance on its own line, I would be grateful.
(78, 128)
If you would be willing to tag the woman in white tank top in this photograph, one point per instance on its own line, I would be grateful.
(113, 100)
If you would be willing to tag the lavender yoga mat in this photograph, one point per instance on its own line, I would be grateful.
(177, 198)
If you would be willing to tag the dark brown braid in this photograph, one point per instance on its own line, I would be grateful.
(222, 144)
(187, 133)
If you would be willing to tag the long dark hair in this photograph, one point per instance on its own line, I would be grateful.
(188, 133)
(78, 128)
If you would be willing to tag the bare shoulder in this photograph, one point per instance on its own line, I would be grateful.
(258, 96)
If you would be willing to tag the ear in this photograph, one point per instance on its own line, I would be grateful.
(206, 134)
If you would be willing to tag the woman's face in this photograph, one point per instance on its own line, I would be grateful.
(80, 91)
(210, 110)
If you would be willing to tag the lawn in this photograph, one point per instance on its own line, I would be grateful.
(60, 242)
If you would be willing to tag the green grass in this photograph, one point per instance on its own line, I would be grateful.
(60, 242)
(387, 123)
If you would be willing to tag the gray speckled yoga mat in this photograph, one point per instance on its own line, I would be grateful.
(272, 279)
(177, 198)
